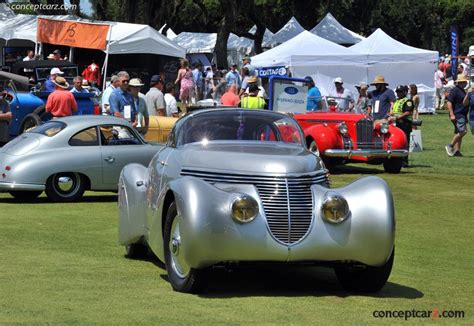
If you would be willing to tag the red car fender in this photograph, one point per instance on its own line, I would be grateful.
(397, 138)
(325, 137)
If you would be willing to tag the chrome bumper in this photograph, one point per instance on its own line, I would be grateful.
(12, 186)
(369, 153)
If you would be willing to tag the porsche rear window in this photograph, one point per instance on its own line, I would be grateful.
(49, 129)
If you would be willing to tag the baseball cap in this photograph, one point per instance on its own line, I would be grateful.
(56, 71)
(338, 80)
(401, 88)
(155, 79)
(57, 51)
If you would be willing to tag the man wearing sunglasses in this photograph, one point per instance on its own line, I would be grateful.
(121, 102)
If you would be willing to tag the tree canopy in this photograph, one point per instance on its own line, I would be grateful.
(420, 23)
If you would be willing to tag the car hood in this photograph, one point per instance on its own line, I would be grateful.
(268, 158)
(22, 144)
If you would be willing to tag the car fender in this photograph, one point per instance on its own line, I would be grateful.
(131, 199)
(369, 225)
(325, 137)
(397, 138)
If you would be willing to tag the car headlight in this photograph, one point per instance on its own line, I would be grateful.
(342, 128)
(244, 208)
(335, 208)
(384, 127)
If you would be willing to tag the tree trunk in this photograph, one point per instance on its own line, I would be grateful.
(257, 41)
(221, 45)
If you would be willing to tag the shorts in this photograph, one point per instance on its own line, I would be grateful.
(460, 124)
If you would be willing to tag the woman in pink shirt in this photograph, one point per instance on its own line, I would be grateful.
(186, 81)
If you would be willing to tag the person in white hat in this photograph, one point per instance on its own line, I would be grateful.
(49, 85)
(143, 119)
(342, 95)
(458, 112)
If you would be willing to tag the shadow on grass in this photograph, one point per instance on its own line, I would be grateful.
(45, 200)
(288, 282)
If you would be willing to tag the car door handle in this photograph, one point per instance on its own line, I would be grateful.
(110, 159)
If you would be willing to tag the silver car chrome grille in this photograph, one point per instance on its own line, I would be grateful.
(365, 135)
(287, 200)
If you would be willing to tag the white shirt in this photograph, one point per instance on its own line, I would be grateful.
(106, 96)
(27, 58)
(438, 76)
(171, 105)
(343, 98)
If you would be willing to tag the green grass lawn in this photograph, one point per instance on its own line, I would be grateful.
(61, 263)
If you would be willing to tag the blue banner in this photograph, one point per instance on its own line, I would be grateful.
(454, 52)
(271, 71)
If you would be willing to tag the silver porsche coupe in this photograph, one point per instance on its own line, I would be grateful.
(239, 186)
(66, 156)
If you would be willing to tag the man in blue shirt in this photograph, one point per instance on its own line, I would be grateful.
(382, 99)
(49, 85)
(121, 102)
(233, 77)
(314, 96)
(458, 114)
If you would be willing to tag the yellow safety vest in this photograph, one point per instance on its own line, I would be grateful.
(398, 107)
(252, 102)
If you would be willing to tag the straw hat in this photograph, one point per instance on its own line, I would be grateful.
(85, 84)
(252, 79)
(50, 56)
(135, 82)
(379, 79)
(61, 82)
(462, 78)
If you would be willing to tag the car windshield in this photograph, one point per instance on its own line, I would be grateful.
(43, 73)
(239, 125)
(49, 129)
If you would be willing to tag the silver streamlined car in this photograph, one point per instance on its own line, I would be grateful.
(66, 156)
(235, 186)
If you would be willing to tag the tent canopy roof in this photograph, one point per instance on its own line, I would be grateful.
(124, 38)
(381, 47)
(304, 44)
(330, 29)
(206, 42)
(288, 31)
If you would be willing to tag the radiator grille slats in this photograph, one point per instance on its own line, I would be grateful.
(365, 135)
(287, 200)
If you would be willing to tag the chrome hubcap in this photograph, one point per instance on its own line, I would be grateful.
(65, 183)
(178, 262)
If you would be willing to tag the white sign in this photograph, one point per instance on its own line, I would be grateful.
(289, 97)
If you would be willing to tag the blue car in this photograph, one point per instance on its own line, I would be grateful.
(27, 101)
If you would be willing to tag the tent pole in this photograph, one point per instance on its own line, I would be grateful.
(71, 54)
(106, 61)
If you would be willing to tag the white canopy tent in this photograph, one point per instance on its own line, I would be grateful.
(123, 38)
(304, 44)
(237, 47)
(330, 29)
(169, 33)
(400, 64)
(291, 29)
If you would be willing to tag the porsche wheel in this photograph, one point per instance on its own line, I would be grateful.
(65, 186)
(393, 165)
(366, 279)
(182, 277)
(25, 195)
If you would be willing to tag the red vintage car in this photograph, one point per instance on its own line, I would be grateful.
(347, 137)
